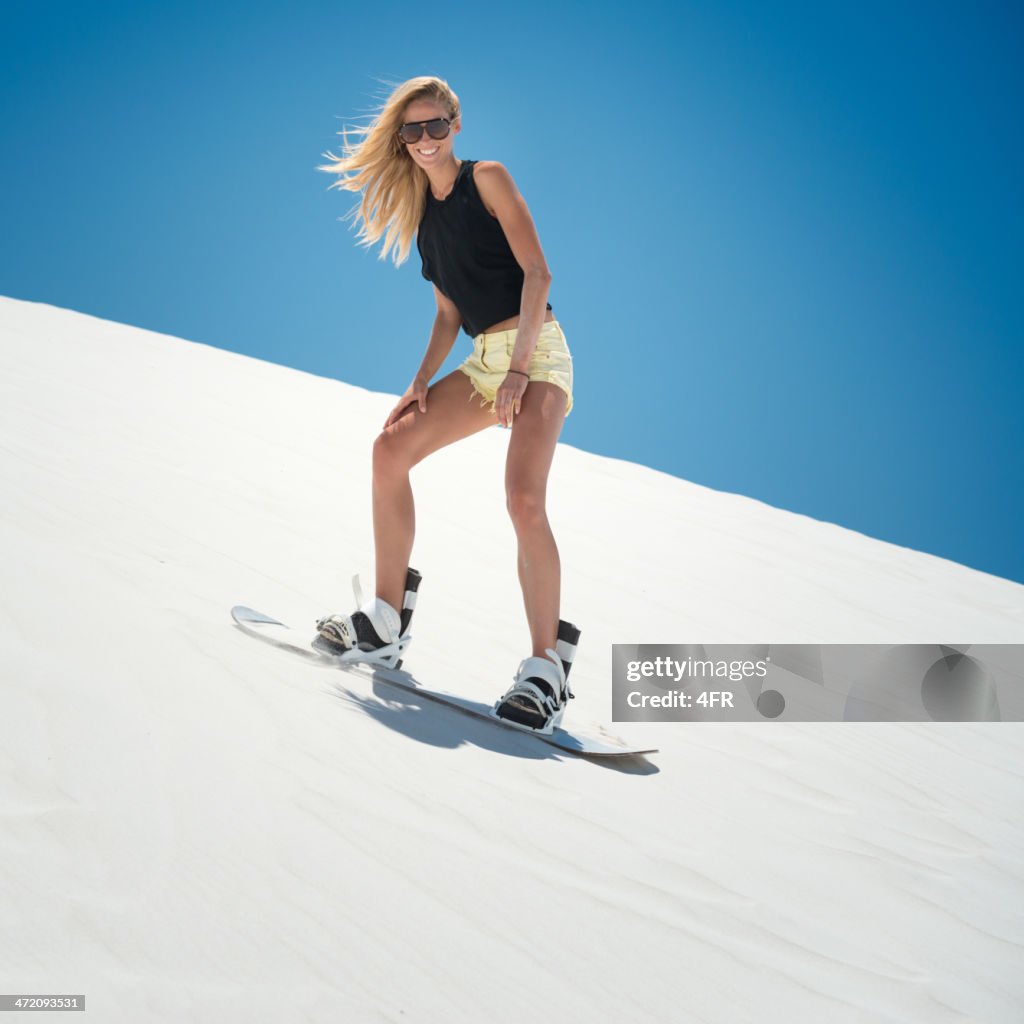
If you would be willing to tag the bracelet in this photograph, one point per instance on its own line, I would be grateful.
(523, 372)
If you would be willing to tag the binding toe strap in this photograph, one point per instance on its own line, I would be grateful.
(535, 670)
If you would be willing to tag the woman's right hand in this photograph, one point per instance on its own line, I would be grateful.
(415, 392)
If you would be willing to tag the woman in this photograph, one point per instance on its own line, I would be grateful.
(479, 249)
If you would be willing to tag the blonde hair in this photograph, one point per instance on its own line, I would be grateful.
(393, 187)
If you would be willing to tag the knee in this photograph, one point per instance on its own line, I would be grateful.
(525, 507)
(390, 455)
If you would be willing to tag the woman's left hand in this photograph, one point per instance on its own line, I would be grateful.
(509, 397)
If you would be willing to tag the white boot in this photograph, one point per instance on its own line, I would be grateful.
(372, 635)
(537, 697)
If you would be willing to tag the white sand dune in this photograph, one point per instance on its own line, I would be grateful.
(199, 827)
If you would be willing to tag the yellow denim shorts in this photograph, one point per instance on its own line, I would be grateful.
(491, 359)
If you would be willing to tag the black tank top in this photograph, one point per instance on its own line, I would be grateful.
(466, 254)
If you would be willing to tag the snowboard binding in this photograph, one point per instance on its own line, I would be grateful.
(376, 634)
(537, 698)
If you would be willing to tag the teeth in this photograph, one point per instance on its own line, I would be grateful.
(428, 152)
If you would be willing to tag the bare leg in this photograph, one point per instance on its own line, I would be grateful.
(530, 452)
(453, 412)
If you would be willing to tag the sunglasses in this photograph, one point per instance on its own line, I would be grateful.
(437, 128)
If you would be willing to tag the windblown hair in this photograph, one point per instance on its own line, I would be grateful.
(393, 187)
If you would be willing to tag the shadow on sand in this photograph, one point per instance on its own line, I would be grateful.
(418, 716)
(405, 705)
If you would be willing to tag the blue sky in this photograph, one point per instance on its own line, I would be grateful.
(785, 238)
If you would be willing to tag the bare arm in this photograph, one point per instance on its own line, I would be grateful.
(447, 324)
(502, 198)
(446, 327)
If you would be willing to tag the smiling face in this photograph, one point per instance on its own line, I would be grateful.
(430, 152)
